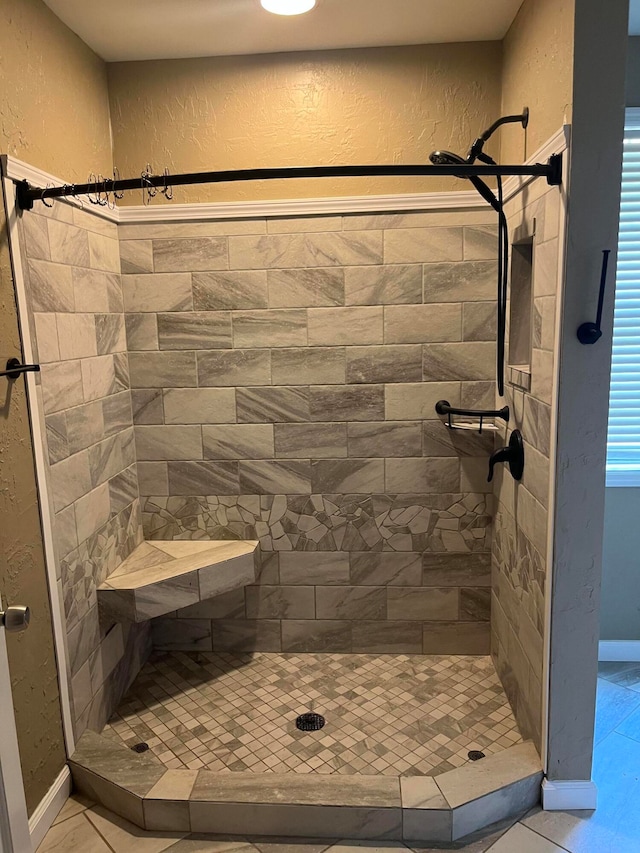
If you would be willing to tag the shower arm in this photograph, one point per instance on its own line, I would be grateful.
(475, 151)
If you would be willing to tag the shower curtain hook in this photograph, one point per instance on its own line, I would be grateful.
(42, 198)
(148, 190)
(117, 194)
(167, 190)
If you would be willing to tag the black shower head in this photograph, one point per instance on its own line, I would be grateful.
(446, 158)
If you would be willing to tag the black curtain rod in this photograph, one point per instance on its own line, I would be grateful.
(27, 195)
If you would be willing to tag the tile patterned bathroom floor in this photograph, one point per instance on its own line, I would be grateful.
(387, 714)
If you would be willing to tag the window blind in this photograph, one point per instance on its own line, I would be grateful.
(623, 439)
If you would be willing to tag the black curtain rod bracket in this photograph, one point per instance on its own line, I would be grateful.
(27, 194)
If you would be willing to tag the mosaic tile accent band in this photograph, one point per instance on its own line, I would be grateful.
(388, 715)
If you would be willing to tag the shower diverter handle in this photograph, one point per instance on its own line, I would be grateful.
(513, 455)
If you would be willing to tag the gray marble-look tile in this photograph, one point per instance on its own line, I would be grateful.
(47, 337)
(97, 291)
(376, 637)
(306, 250)
(136, 256)
(414, 245)
(385, 569)
(104, 253)
(36, 236)
(223, 290)
(346, 403)
(238, 441)
(430, 475)
(456, 569)
(308, 366)
(141, 331)
(57, 438)
(92, 510)
(190, 254)
(384, 439)
(246, 635)
(440, 441)
(471, 281)
(122, 836)
(74, 834)
(168, 292)
(475, 604)
(280, 602)
(303, 224)
(155, 600)
(199, 406)
(271, 405)
(478, 395)
(442, 362)
(138, 772)
(616, 708)
(50, 287)
(99, 378)
(456, 638)
(339, 326)
(85, 426)
(314, 635)
(405, 324)
(422, 604)
(314, 567)
(480, 243)
(69, 245)
(183, 634)
(525, 840)
(123, 489)
(285, 327)
(347, 476)
(110, 333)
(194, 330)
(542, 375)
(162, 369)
(383, 285)
(305, 288)
(70, 480)
(61, 386)
(153, 478)
(66, 535)
(227, 605)
(315, 440)
(235, 367)
(384, 364)
(146, 405)
(117, 413)
(203, 478)
(416, 401)
(111, 456)
(479, 321)
(351, 602)
(271, 477)
(425, 812)
(210, 228)
(161, 443)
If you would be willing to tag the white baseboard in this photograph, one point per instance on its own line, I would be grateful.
(619, 650)
(48, 809)
(568, 795)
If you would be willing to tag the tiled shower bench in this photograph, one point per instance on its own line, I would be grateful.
(440, 808)
(159, 577)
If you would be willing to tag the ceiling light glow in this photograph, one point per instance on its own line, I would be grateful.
(288, 7)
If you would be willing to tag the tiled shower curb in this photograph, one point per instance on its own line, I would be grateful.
(400, 808)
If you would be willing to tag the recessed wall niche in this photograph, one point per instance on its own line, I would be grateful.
(521, 303)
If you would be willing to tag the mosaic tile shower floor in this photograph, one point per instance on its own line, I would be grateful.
(388, 714)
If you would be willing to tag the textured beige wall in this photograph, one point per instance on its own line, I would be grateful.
(537, 72)
(380, 105)
(53, 114)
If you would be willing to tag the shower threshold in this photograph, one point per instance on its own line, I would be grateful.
(392, 760)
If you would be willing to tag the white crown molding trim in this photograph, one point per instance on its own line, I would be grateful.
(569, 795)
(17, 170)
(619, 650)
(556, 144)
(49, 807)
(463, 200)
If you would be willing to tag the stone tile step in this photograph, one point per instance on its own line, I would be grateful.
(439, 809)
(160, 577)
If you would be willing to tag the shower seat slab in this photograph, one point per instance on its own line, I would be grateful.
(162, 576)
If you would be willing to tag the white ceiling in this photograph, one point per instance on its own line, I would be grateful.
(162, 29)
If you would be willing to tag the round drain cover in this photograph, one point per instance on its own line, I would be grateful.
(476, 755)
(310, 722)
(140, 747)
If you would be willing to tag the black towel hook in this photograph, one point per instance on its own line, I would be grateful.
(589, 333)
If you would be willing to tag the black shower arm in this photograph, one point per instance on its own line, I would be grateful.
(478, 145)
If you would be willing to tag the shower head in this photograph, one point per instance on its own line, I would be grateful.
(446, 158)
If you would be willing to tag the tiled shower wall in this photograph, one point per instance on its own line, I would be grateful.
(519, 569)
(284, 377)
(72, 276)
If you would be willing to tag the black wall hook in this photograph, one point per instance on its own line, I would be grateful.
(589, 333)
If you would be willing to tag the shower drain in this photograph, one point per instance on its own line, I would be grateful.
(140, 747)
(310, 722)
(475, 755)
